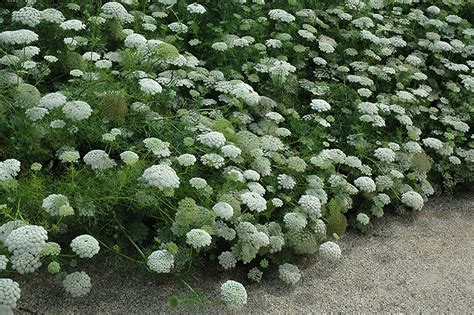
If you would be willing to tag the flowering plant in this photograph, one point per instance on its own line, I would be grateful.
(241, 131)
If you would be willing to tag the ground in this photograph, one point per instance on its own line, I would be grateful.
(422, 262)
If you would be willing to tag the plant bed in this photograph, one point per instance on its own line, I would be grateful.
(173, 134)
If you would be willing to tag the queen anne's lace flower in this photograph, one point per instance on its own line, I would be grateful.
(223, 210)
(227, 260)
(212, 139)
(413, 200)
(85, 246)
(77, 110)
(161, 176)
(186, 159)
(9, 293)
(27, 16)
(18, 37)
(129, 157)
(198, 238)
(26, 239)
(77, 284)
(289, 273)
(149, 86)
(254, 201)
(365, 184)
(116, 10)
(157, 146)
(330, 251)
(9, 169)
(233, 294)
(99, 160)
(310, 204)
(160, 261)
(281, 15)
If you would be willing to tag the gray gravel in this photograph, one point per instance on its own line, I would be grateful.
(421, 262)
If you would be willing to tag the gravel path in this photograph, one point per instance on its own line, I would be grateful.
(422, 262)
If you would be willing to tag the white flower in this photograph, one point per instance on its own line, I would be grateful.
(223, 210)
(161, 176)
(230, 151)
(52, 100)
(289, 273)
(9, 293)
(286, 181)
(186, 159)
(149, 86)
(433, 143)
(233, 294)
(413, 200)
(365, 184)
(198, 238)
(56, 204)
(196, 8)
(330, 251)
(251, 175)
(310, 204)
(75, 25)
(77, 110)
(198, 183)
(135, 41)
(385, 155)
(85, 246)
(160, 261)
(320, 105)
(295, 220)
(363, 218)
(27, 16)
(18, 37)
(281, 15)
(36, 113)
(212, 160)
(254, 201)
(129, 157)
(98, 160)
(212, 139)
(77, 284)
(26, 239)
(3, 262)
(9, 169)
(158, 147)
(227, 260)
(117, 10)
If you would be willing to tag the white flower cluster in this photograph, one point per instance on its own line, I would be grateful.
(233, 294)
(9, 293)
(77, 110)
(330, 251)
(85, 246)
(366, 184)
(198, 238)
(254, 201)
(9, 169)
(385, 155)
(18, 37)
(212, 139)
(413, 200)
(158, 147)
(160, 261)
(227, 260)
(99, 160)
(25, 244)
(223, 210)
(57, 204)
(117, 11)
(289, 273)
(320, 105)
(27, 16)
(281, 15)
(149, 86)
(310, 204)
(77, 284)
(161, 176)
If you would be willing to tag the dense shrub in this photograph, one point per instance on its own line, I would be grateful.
(244, 132)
